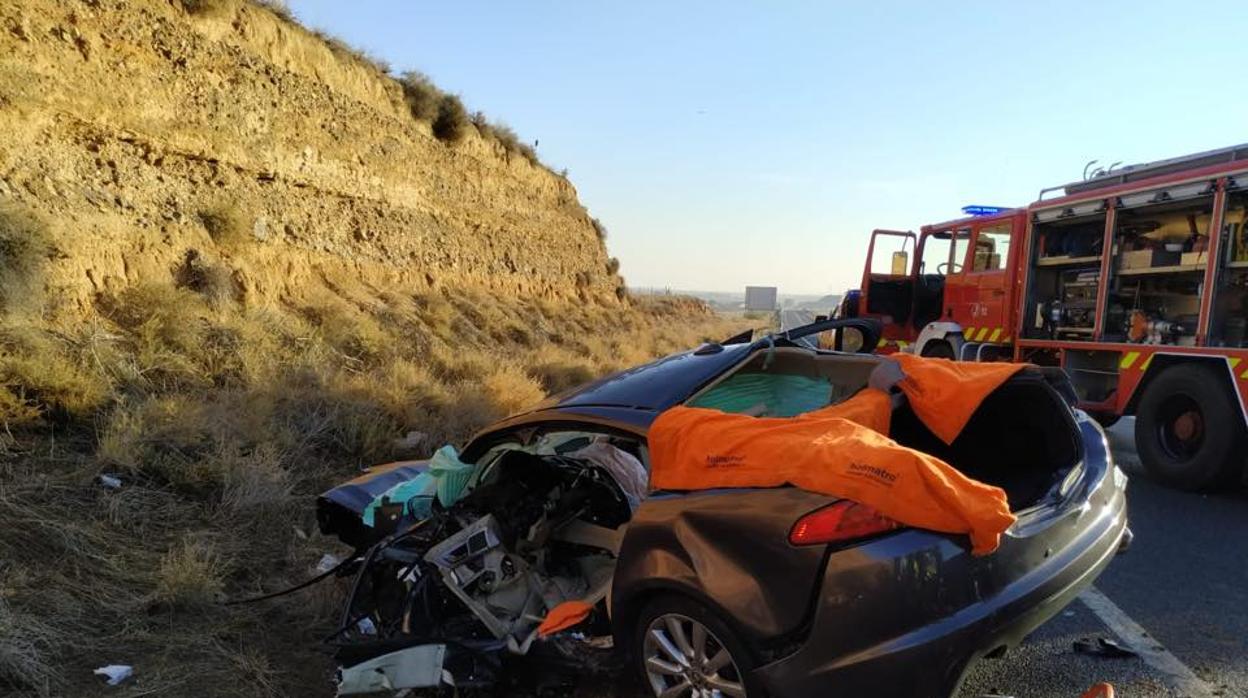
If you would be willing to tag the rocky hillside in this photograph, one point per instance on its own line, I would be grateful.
(238, 262)
(137, 128)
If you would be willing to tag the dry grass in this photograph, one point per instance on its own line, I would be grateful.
(26, 646)
(223, 423)
(189, 576)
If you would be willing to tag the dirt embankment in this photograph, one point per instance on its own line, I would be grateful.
(236, 265)
(128, 124)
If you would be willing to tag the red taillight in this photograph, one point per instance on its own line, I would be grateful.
(839, 522)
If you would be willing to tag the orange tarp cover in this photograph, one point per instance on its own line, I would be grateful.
(843, 450)
(944, 394)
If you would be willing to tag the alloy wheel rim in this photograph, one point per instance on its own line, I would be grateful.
(684, 658)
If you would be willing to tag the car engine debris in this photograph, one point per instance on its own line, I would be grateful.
(475, 580)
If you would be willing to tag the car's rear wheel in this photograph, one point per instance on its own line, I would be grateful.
(1189, 431)
(682, 648)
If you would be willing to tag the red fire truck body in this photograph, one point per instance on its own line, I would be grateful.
(1134, 281)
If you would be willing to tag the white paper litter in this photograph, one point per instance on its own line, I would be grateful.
(327, 562)
(111, 482)
(115, 673)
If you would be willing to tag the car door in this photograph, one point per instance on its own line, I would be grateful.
(888, 283)
(984, 311)
(960, 289)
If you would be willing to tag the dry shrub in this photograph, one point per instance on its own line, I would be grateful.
(213, 280)
(209, 7)
(452, 122)
(511, 143)
(599, 228)
(189, 577)
(25, 246)
(421, 95)
(227, 225)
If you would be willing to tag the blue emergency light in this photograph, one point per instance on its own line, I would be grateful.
(983, 210)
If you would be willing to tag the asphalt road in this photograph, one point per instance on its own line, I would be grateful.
(1184, 582)
(795, 318)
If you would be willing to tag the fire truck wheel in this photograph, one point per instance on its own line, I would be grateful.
(938, 349)
(1189, 430)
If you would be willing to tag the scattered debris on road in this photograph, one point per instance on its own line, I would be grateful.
(1103, 647)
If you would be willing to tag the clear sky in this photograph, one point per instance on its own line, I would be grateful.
(726, 144)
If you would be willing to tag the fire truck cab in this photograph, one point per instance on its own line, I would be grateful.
(956, 298)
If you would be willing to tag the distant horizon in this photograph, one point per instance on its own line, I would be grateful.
(750, 141)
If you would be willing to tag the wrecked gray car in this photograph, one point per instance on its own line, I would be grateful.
(712, 593)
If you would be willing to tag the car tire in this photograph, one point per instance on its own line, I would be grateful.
(1189, 430)
(938, 349)
(675, 619)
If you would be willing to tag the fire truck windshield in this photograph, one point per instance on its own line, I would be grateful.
(943, 252)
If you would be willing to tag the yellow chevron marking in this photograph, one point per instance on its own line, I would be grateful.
(1128, 359)
(995, 334)
(983, 332)
(969, 333)
(902, 344)
(1005, 340)
(1235, 364)
(1149, 360)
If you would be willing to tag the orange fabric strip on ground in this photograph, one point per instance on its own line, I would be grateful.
(564, 616)
(693, 448)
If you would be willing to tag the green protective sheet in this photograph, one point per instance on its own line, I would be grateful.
(779, 395)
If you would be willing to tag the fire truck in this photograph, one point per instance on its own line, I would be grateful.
(1133, 280)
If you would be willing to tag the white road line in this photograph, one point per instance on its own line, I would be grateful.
(1181, 678)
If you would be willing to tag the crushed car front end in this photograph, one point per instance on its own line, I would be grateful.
(948, 608)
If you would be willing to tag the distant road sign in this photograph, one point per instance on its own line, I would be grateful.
(760, 297)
